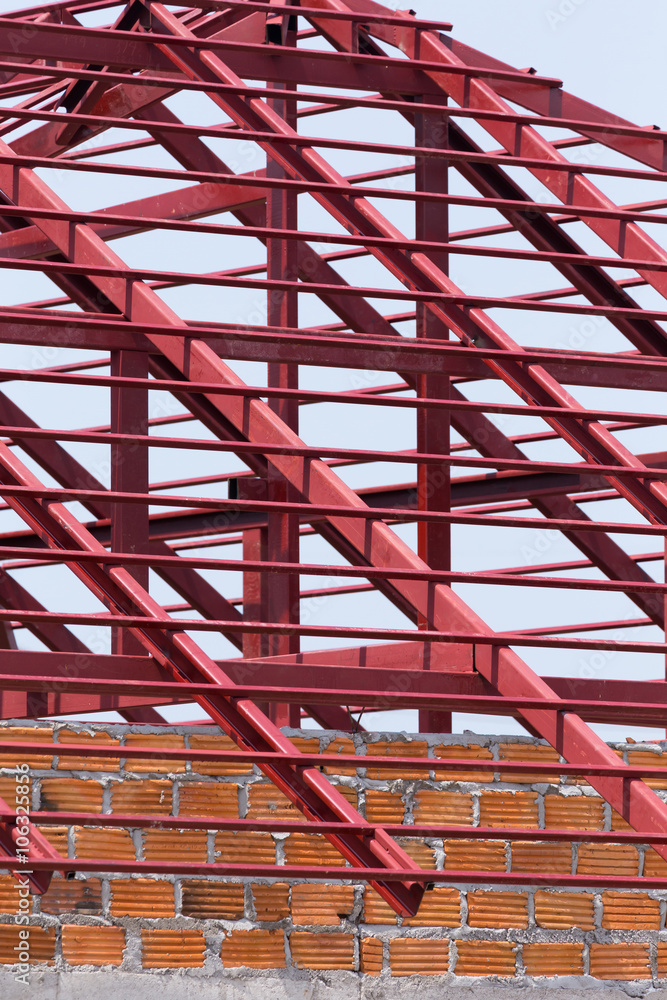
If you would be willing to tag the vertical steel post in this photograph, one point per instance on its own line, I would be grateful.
(282, 542)
(129, 473)
(433, 426)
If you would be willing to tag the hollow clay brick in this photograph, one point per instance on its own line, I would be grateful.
(71, 795)
(437, 806)
(214, 742)
(205, 899)
(553, 959)
(538, 856)
(383, 748)
(475, 855)
(142, 897)
(256, 949)
(76, 896)
(563, 910)
(153, 797)
(172, 949)
(175, 845)
(630, 911)
(620, 961)
(312, 906)
(322, 951)
(577, 812)
(157, 765)
(458, 752)
(607, 859)
(518, 809)
(440, 907)
(92, 843)
(485, 958)
(418, 957)
(208, 798)
(93, 945)
(370, 953)
(41, 941)
(236, 848)
(271, 901)
(528, 752)
(68, 763)
(497, 909)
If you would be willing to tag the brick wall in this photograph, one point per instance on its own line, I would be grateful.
(212, 925)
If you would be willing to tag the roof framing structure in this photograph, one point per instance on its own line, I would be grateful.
(244, 133)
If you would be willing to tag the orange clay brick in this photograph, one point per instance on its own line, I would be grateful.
(537, 856)
(266, 802)
(464, 753)
(25, 734)
(236, 848)
(654, 865)
(311, 745)
(322, 951)
(208, 798)
(376, 911)
(215, 768)
(9, 896)
(312, 906)
(618, 823)
(69, 763)
(518, 809)
(497, 909)
(528, 752)
(563, 910)
(8, 791)
(350, 794)
(142, 897)
(418, 851)
(152, 797)
(271, 901)
(254, 950)
(417, 957)
(157, 765)
(409, 748)
(553, 959)
(662, 959)
(311, 849)
(175, 845)
(607, 859)
(71, 795)
(93, 945)
(436, 806)
(475, 855)
(630, 911)
(92, 843)
(341, 744)
(577, 812)
(56, 836)
(620, 961)
(41, 943)
(208, 900)
(77, 896)
(162, 949)
(384, 807)
(370, 956)
(484, 958)
(438, 908)
(645, 758)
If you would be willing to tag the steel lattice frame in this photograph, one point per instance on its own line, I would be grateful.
(68, 76)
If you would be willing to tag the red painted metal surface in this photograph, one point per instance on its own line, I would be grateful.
(262, 344)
